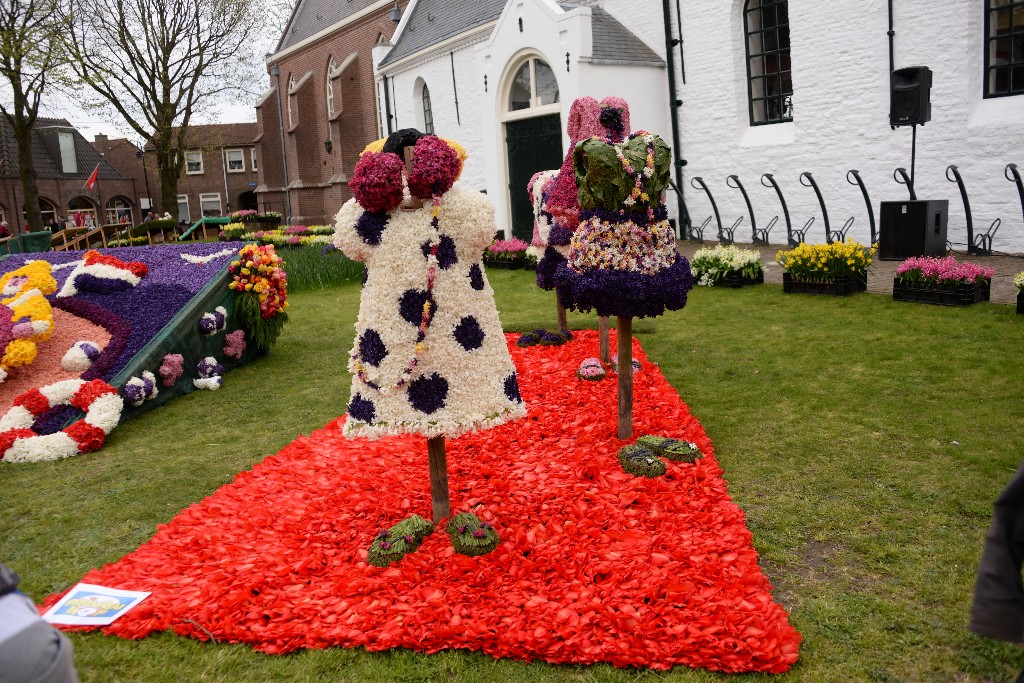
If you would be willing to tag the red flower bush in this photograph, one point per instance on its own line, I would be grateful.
(8, 438)
(377, 181)
(594, 565)
(434, 169)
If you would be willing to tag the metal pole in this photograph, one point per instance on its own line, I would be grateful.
(913, 152)
(275, 71)
(678, 162)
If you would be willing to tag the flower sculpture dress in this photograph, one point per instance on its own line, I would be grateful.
(559, 212)
(623, 259)
(429, 356)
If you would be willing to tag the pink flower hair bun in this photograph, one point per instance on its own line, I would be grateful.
(584, 119)
(377, 181)
(436, 167)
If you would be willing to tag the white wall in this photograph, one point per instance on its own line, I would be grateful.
(841, 104)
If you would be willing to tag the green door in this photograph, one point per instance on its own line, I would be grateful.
(533, 145)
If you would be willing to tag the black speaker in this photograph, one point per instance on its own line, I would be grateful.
(912, 228)
(910, 96)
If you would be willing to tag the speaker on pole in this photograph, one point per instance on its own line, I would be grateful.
(910, 96)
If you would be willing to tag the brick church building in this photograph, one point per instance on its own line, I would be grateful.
(321, 108)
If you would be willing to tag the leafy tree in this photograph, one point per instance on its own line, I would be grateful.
(30, 53)
(161, 63)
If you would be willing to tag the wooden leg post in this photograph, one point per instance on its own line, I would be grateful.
(562, 322)
(602, 331)
(438, 478)
(625, 354)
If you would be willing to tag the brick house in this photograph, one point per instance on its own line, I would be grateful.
(322, 107)
(127, 158)
(63, 160)
(220, 174)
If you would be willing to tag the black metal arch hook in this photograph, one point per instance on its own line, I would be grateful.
(755, 239)
(857, 180)
(901, 177)
(785, 209)
(701, 185)
(1013, 175)
(821, 202)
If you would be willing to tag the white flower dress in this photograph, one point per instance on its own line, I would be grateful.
(440, 369)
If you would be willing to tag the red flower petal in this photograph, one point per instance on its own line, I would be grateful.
(594, 565)
(33, 401)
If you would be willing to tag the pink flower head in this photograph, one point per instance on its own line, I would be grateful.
(434, 169)
(620, 105)
(377, 181)
(170, 370)
(584, 119)
(234, 344)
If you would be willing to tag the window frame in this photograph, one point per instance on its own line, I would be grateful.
(183, 199)
(332, 69)
(535, 108)
(784, 98)
(241, 159)
(252, 159)
(428, 111)
(988, 43)
(201, 170)
(204, 197)
(292, 82)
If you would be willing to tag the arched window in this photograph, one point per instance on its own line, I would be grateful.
(769, 72)
(1004, 48)
(82, 206)
(116, 208)
(534, 85)
(332, 69)
(291, 100)
(428, 114)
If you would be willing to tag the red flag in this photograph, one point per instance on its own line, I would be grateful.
(91, 182)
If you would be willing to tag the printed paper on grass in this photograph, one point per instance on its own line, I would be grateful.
(594, 565)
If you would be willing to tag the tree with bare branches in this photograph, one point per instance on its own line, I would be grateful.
(30, 53)
(161, 63)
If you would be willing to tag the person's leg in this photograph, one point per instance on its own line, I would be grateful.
(37, 653)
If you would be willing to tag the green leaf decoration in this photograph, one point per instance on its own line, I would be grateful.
(604, 184)
(262, 331)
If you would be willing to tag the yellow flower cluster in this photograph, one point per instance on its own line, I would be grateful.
(31, 316)
(826, 262)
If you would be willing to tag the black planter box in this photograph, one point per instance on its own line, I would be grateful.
(1020, 303)
(941, 295)
(735, 280)
(844, 285)
(504, 265)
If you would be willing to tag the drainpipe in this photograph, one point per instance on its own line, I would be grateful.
(275, 71)
(224, 171)
(387, 105)
(674, 104)
(892, 34)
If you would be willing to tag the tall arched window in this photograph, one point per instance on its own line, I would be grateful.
(1004, 48)
(332, 68)
(769, 72)
(534, 85)
(291, 101)
(428, 114)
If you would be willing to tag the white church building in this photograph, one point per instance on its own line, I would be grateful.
(775, 102)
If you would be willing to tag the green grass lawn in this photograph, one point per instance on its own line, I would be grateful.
(865, 439)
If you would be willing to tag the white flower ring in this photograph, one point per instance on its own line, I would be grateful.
(102, 406)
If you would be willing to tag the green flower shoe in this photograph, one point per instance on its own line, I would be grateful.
(641, 462)
(393, 544)
(673, 449)
(470, 536)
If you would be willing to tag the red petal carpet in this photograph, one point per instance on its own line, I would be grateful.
(594, 565)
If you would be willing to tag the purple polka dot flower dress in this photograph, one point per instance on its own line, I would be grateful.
(429, 355)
